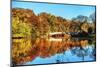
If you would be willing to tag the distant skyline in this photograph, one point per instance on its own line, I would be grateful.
(67, 11)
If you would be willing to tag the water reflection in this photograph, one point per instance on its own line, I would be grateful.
(44, 50)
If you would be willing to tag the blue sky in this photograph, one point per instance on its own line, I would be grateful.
(65, 11)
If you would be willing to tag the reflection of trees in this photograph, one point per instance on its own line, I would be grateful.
(93, 48)
(93, 52)
(82, 51)
(25, 50)
(21, 50)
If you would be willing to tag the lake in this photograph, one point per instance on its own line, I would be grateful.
(27, 51)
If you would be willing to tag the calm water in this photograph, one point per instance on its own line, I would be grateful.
(51, 50)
